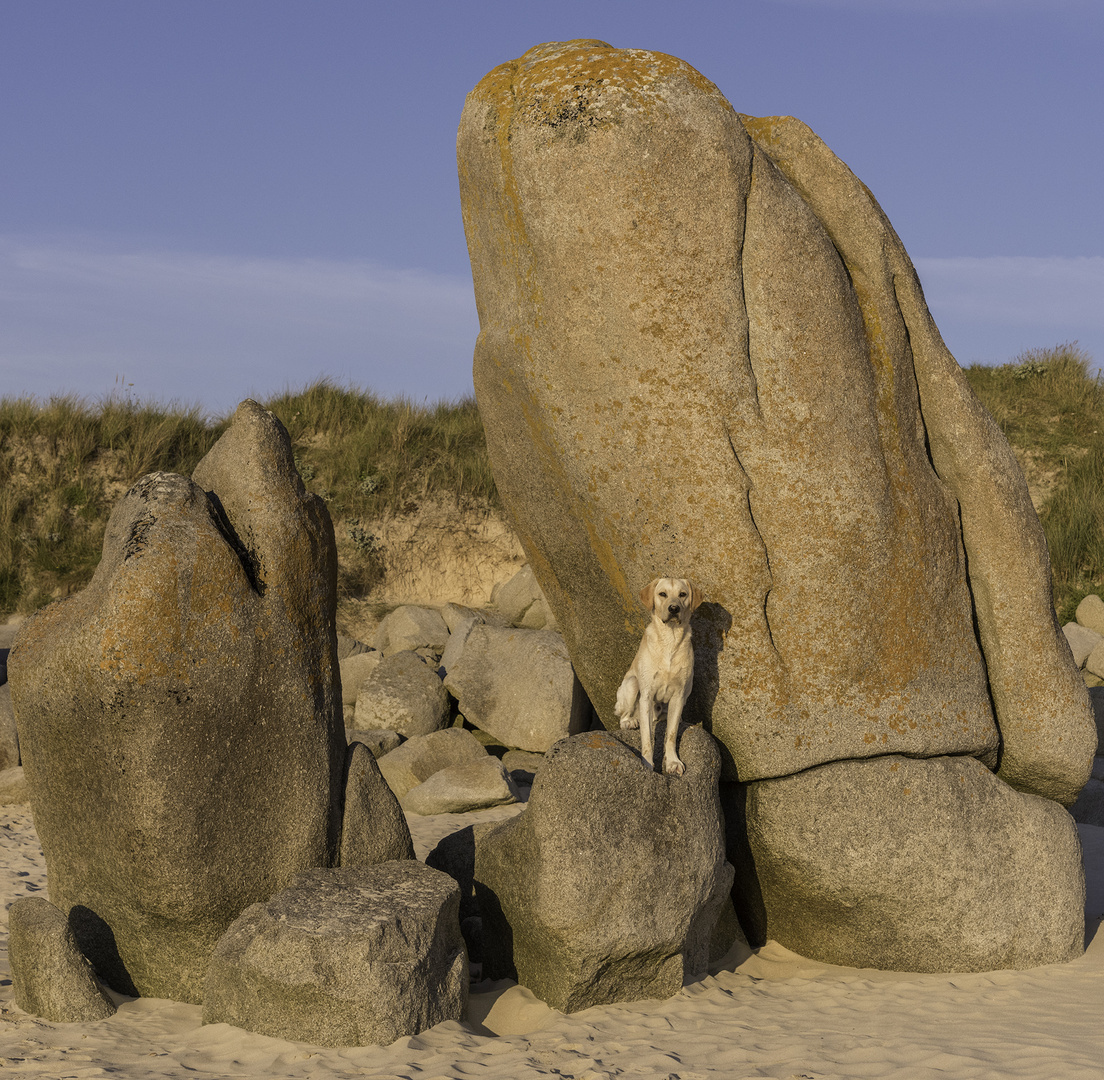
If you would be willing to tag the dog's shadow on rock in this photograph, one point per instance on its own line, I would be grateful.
(710, 623)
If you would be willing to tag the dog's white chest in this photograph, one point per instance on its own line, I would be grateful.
(673, 674)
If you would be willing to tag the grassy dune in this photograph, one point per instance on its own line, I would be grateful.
(1051, 409)
(64, 463)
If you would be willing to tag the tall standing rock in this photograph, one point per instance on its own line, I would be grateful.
(180, 717)
(703, 349)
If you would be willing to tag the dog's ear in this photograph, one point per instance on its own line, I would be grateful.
(647, 594)
(696, 597)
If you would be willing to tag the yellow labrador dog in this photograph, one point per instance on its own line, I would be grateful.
(663, 670)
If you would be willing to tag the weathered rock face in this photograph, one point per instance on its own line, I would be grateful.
(186, 702)
(518, 685)
(915, 865)
(344, 958)
(374, 828)
(50, 976)
(703, 349)
(624, 875)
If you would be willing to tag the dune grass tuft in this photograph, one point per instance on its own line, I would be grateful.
(1051, 408)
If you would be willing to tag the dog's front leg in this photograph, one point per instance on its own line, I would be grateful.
(671, 763)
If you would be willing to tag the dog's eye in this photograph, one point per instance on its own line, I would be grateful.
(664, 595)
(682, 594)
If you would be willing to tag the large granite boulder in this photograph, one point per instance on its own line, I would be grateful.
(51, 977)
(703, 348)
(518, 685)
(344, 958)
(186, 702)
(910, 864)
(610, 885)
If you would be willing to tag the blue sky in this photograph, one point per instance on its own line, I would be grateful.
(206, 200)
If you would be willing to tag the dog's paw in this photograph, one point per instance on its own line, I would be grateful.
(629, 723)
(673, 767)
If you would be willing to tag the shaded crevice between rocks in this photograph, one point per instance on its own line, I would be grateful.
(743, 298)
(138, 539)
(759, 534)
(248, 559)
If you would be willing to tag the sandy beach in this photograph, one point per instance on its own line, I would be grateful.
(772, 1014)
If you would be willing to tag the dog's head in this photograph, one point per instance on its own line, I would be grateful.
(671, 599)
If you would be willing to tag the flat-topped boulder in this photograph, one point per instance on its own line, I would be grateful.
(344, 957)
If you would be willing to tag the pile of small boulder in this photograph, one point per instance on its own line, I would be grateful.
(1086, 640)
(475, 698)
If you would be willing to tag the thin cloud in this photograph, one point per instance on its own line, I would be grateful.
(79, 318)
(213, 329)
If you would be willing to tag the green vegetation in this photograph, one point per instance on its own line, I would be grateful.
(1051, 409)
(65, 463)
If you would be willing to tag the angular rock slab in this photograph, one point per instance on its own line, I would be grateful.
(355, 669)
(610, 884)
(51, 977)
(186, 701)
(419, 758)
(344, 958)
(907, 865)
(412, 627)
(373, 826)
(519, 686)
(673, 298)
(402, 694)
(458, 789)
